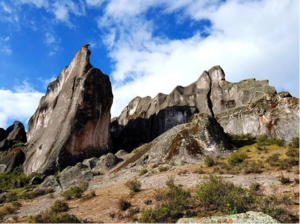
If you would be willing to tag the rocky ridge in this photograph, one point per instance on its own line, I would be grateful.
(211, 94)
(72, 119)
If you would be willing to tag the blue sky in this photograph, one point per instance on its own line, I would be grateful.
(145, 46)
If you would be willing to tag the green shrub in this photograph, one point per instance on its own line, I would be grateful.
(49, 217)
(143, 171)
(59, 206)
(73, 192)
(284, 180)
(93, 194)
(163, 168)
(8, 210)
(133, 185)
(295, 142)
(32, 194)
(209, 161)
(174, 201)
(293, 152)
(8, 178)
(224, 195)
(253, 167)
(123, 204)
(288, 163)
(262, 140)
(76, 191)
(273, 159)
(18, 144)
(237, 157)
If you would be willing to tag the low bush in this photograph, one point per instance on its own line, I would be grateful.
(9, 178)
(49, 217)
(59, 206)
(295, 142)
(273, 160)
(284, 180)
(288, 163)
(143, 171)
(8, 210)
(237, 158)
(76, 191)
(163, 168)
(214, 191)
(174, 201)
(133, 185)
(264, 140)
(253, 167)
(32, 194)
(123, 204)
(209, 161)
(293, 152)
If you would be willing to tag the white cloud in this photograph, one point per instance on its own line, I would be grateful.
(249, 39)
(49, 38)
(17, 105)
(6, 8)
(5, 46)
(94, 3)
(52, 42)
(62, 10)
(37, 3)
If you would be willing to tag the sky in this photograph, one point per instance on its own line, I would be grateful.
(145, 46)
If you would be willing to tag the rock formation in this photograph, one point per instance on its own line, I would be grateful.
(145, 118)
(72, 119)
(276, 115)
(10, 156)
(12, 135)
(189, 142)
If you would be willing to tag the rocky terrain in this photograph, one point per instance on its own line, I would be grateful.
(213, 148)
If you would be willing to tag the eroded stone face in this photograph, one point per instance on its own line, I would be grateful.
(210, 94)
(72, 120)
(276, 115)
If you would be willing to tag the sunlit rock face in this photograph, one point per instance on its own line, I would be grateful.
(72, 120)
(211, 94)
(276, 115)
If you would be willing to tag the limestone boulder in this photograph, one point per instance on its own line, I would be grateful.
(248, 217)
(276, 115)
(145, 118)
(189, 142)
(107, 162)
(74, 175)
(72, 120)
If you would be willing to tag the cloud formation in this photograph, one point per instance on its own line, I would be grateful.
(247, 38)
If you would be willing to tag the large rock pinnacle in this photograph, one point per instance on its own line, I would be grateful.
(72, 120)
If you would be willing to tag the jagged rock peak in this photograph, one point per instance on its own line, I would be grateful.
(13, 134)
(72, 120)
(210, 94)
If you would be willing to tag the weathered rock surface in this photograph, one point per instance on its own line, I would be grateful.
(74, 175)
(50, 182)
(107, 162)
(189, 142)
(276, 115)
(12, 135)
(72, 121)
(248, 217)
(12, 159)
(145, 118)
(91, 163)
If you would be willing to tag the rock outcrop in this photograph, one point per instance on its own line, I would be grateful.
(189, 142)
(145, 118)
(12, 159)
(72, 120)
(276, 115)
(248, 217)
(12, 135)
